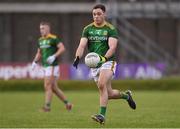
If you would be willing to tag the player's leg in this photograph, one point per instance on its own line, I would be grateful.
(60, 94)
(116, 94)
(48, 84)
(104, 76)
(48, 94)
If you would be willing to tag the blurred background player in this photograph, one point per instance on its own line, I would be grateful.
(49, 48)
(102, 37)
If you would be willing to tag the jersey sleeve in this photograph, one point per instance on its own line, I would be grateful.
(38, 45)
(85, 32)
(113, 33)
(57, 40)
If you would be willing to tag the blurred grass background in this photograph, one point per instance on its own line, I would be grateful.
(155, 109)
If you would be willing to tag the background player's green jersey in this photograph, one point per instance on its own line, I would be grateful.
(98, 38)
(48, 47)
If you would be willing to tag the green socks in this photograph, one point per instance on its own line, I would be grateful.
(65, 102)
(103, 111)
(124, 95)
(48, 105)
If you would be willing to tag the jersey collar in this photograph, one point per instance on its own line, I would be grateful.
(100, 25)
(47, 36)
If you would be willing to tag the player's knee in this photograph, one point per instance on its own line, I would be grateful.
(48, 86)
(101, 85)
(54, 88)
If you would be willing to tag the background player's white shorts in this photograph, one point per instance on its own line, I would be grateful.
(111, 65)
(51, 70)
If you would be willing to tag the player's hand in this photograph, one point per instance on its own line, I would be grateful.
(102, 60)
(76, 62)
(51, 59)
(33, 65)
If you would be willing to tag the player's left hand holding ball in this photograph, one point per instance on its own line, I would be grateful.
(51, 59)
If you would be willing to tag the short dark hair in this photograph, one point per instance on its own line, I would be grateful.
(45, 23)
(101, 6)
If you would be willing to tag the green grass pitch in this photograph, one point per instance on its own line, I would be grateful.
(155, 109)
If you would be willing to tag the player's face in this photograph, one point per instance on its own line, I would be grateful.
(44, 30)
(98, 16)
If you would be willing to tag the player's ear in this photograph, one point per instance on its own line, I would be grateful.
(105, 14)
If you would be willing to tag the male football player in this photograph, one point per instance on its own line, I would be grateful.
(50, 47)
(101, 37)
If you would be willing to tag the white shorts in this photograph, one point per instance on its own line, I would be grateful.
(111, 65)
(51, 70)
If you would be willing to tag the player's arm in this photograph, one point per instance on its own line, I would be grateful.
(37, 56)
(60, 50)
(80, 51)
(112, 42)
(36, 59)
(81, 47)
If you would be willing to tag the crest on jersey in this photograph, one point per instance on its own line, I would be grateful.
(105, 32)
(98, 32)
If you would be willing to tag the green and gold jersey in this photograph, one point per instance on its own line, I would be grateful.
(98, 37)
(48, 47)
